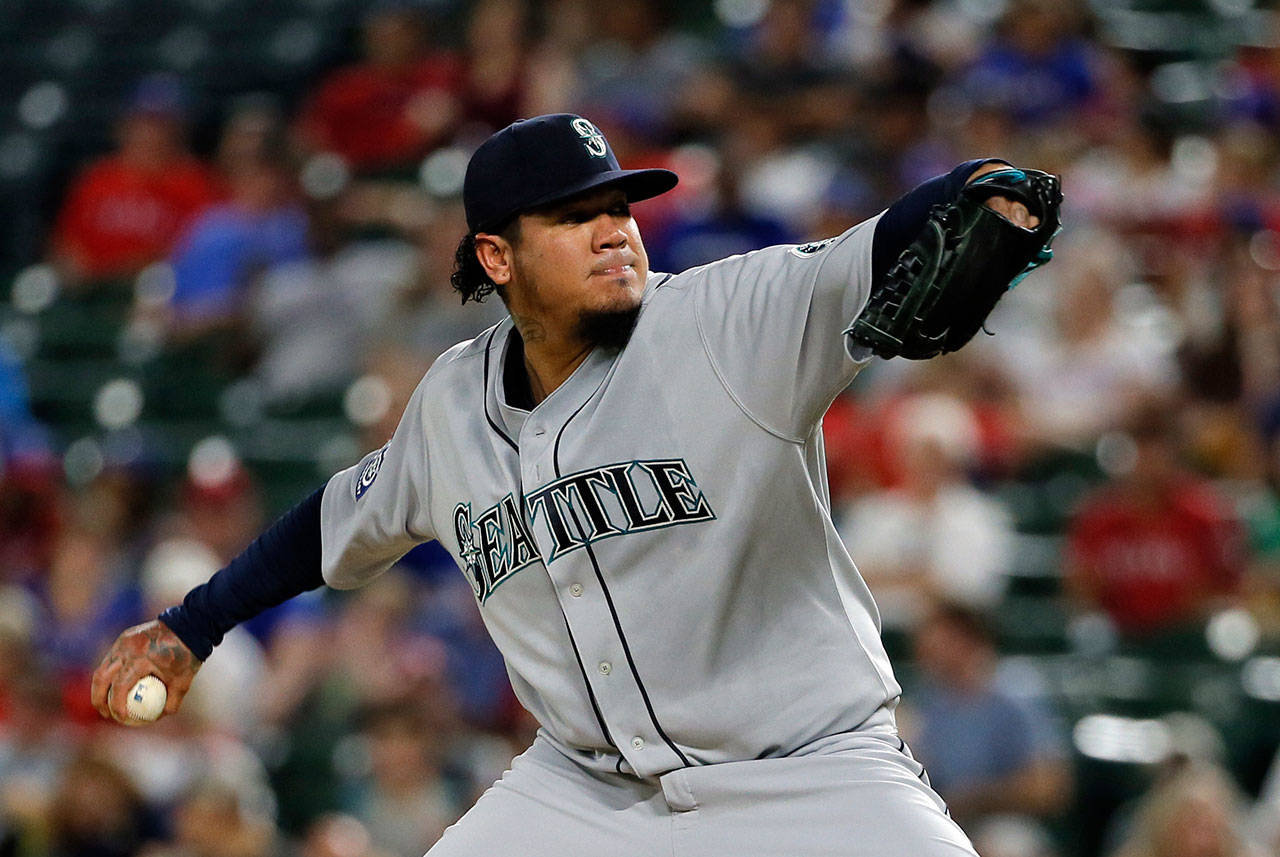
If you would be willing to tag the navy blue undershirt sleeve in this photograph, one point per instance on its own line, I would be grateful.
(282, 562)
(900, 225)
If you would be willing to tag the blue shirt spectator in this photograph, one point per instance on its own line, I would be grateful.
(983, 735)
(260, 227)
(21, 436)
(986, 752)
(1036, 71)
(226, 247)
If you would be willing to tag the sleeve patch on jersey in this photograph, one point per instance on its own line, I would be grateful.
(369, 471)
(806, 250)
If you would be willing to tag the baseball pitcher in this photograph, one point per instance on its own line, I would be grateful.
(629, 472)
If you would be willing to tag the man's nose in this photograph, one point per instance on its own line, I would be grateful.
(609, 233)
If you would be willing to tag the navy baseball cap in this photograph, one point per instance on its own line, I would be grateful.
(543, 160)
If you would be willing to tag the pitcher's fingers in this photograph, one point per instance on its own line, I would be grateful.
(173, 697)
(1013, 211)
(118, 696)
(101, 685)
(1023, 216)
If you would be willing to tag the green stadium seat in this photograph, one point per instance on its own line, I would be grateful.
(1031, 624)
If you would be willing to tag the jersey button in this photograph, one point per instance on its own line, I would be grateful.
(605, 668)
(575, 590)
(637, 743)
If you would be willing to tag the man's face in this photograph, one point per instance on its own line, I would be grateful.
(578, 266)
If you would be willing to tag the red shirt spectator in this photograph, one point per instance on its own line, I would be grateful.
(377, 118)
(1154, 553)
(126, 211)
(119, 217)
(391, 108)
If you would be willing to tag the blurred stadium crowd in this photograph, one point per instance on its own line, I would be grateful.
(228, 232)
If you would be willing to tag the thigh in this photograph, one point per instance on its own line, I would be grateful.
(547, 806)
(871, 801)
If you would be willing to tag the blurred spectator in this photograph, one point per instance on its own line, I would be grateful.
(1130, 183)
(1196, 812)
(783, 72)
(30, 519)
(118, 504)
(98, 812)
(21, 435)
(87, 600)
(475, 670)
(1079, 373)
(219, 259)
(714, 226)
(493, 84)
(368, 656)
(424, 313)
(254, 131)
(126, 210)
(338, 835)
(934, 535)
(987, 752)
(1036, 69)
(1255, 85)
(211, 822)
(180, 756)
(405, 801)
(634, 65)
(1156, 548)
(36, 745)
(916, 43)
(20, 614)
(398, 102)
(316, 318)
(220, 505)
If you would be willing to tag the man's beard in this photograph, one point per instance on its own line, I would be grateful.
(607, 328)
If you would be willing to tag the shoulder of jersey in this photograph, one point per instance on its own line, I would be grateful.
(691, 275)
(461, 357)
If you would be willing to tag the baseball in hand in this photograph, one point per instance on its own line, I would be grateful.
(147, 699)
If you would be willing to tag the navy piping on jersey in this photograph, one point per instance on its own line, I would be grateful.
(608, 597)
(591, 694)
(923, 776)
(595, 706)
(492, 424)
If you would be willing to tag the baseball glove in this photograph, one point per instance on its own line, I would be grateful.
(942, 288)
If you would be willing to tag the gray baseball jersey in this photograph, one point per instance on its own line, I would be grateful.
(651, 547)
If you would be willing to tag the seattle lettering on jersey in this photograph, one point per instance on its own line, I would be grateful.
(573, 512)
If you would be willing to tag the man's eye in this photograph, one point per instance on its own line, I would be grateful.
(622, 209)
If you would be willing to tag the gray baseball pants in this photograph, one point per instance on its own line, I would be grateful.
(860, 794)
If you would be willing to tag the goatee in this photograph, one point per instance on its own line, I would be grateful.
(607, 328)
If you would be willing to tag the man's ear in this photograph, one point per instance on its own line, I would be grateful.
(494, 253)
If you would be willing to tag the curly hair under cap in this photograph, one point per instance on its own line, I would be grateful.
(469, 277)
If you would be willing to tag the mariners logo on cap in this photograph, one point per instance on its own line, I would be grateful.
(592, 139)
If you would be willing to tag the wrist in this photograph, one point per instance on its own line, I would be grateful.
(178, 620)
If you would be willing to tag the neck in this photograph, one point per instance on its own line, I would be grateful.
(548, 359)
